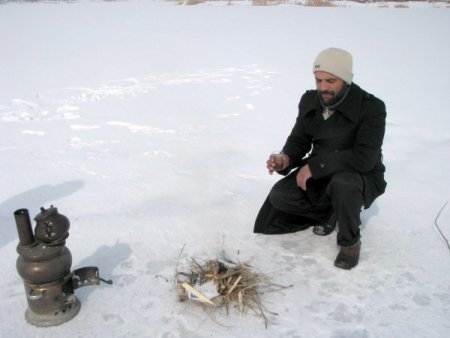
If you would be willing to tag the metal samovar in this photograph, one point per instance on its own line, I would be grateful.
(44, 264)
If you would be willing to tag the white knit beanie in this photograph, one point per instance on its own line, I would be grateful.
(335, 61)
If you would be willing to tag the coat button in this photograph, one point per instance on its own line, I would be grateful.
(322, 165)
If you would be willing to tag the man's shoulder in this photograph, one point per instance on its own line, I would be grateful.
(366, 96)
(311, 92)
(360, 104)
(374, 104)
(368, 102)
(308, 101)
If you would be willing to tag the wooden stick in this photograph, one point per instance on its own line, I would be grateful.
(197, 293)
(234, 285)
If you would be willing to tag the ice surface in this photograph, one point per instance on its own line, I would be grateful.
(148, 124)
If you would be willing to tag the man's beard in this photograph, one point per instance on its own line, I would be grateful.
(331, 97)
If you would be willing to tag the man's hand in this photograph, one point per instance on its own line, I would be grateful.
(303, 175)
(277, 162)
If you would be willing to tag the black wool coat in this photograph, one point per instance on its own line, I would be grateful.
(349, 140)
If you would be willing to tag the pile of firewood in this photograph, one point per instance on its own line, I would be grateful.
(215, 284)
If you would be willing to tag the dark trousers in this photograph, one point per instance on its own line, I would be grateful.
(288, 208)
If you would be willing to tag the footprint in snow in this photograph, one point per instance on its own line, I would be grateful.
(113, 318)
(33, 132)
(141, 129)
(421, 299)
(343, 314)
(67, 111)
(83, 127)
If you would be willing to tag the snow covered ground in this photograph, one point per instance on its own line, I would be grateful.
(148, 125)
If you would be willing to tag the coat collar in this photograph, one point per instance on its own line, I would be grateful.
(350, 107)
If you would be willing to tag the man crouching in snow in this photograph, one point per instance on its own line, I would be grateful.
(335, 149)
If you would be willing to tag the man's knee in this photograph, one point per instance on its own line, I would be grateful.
(283, 192)
(278, 197)
(274, 198)
(346, 183)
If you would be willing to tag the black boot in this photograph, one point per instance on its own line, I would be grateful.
(326, 227)
(348, 257)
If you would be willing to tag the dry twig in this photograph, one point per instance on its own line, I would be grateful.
(437, 226)
(236, 285)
